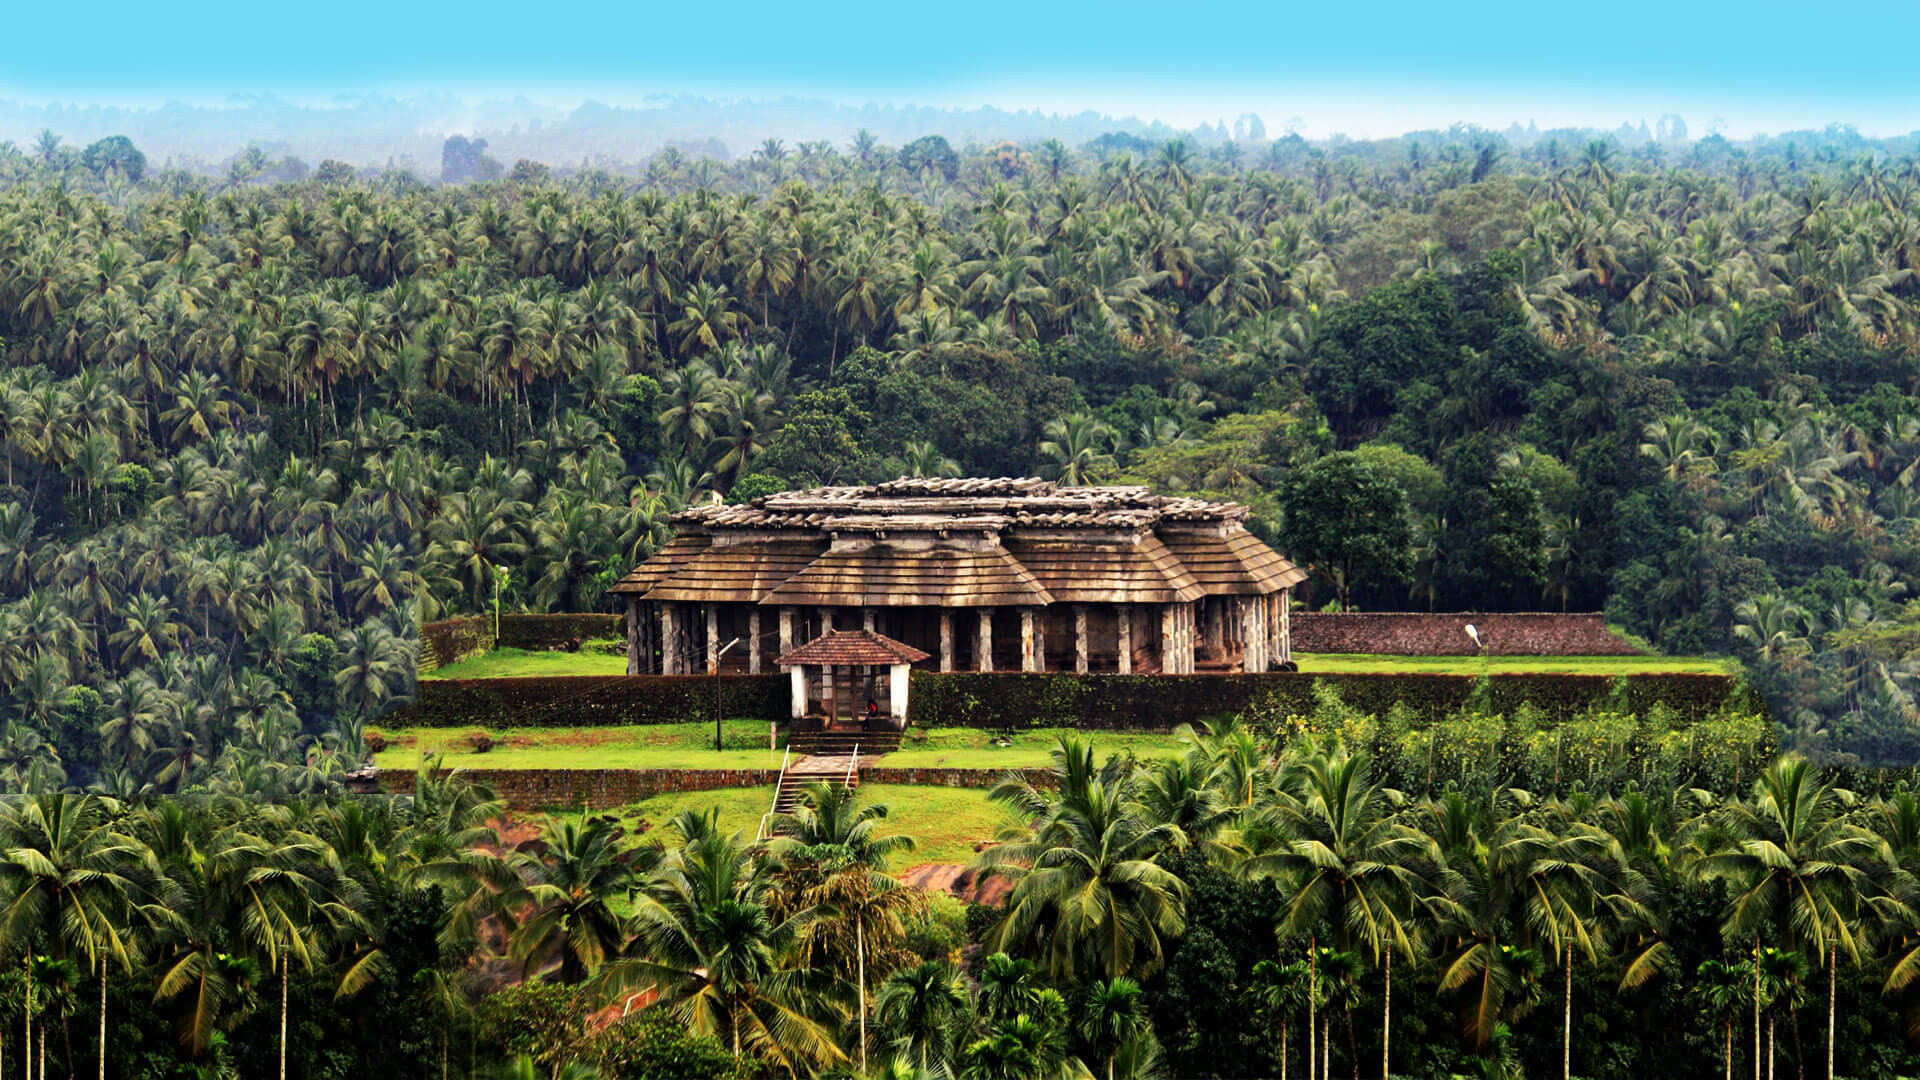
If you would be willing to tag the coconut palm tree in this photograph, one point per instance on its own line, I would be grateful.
(1799, 865)
(1353, 864)
(1087, 895)
(705, 940)
(922, 1011)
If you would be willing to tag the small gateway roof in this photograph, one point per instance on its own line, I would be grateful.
(853, 648)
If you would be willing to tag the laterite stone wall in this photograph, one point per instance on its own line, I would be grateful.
(1417, 633)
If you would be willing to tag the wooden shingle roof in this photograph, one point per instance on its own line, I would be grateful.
(853, 648)
(671, 556)
(1116, 572)
(1233, 563)
(736, 572)
(884, 575)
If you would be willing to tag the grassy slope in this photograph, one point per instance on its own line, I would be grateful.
(517, 663)
(1510, 665)
(945, 823)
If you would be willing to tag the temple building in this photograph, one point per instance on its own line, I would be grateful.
(978, 574)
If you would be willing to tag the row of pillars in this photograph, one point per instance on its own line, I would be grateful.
(1261, 633)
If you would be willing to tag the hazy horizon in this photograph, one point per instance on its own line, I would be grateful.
(1760, 68)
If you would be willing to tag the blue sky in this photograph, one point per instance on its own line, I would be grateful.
(1365, 69)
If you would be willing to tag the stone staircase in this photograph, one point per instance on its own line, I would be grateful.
(828, 756)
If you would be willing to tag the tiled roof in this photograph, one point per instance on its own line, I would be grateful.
(979, 542)
(1123, 572)
(883, 575)
(853, 648)
(973, 504)
(1232, 563)
(671, 556)
(736, 572)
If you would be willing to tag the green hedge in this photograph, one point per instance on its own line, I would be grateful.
(452, 640)
(591, 700)
(973, 699)
(553, 631)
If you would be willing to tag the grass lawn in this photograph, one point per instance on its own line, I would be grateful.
(646, 746)
(1370, 664)
(974, 748)
(945, 823)
(516, 663)
(690, 746)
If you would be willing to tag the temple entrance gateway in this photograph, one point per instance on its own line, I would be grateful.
(843, 668)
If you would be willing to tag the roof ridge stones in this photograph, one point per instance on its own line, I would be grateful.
(967, 504)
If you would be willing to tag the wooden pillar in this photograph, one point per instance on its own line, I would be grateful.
(1080, 639)
(753, 641)
(786, 630)
(983, 660)
(1125, 616)
(1028, 658)
(713, 638)
(946, 640)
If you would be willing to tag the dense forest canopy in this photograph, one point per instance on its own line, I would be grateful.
(255, 425)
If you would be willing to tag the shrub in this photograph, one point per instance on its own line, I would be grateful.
(585, 700)
(1019, 700)
(653, 1045)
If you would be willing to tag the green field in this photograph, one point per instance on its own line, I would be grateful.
(1374, 664)
(690, 746)
(519, 663)
(644, 746)
(946, 823)
(976, 748)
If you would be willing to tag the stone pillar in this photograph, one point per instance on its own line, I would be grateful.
(1124, 615)
(666, 639)
(1250, 653)
(866, 618)
(786, 630)
(984, 660)
(713, 638)
(1286, 624)
(1080, 639)
(826, 673)
(946, 640)
(1168, 645)
(797, 688)
(753, 641)
(1029, 659)
(633, 636)
(1184, 647)
(1216, 624)
(897, 677)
